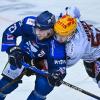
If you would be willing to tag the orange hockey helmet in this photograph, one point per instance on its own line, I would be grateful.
(65, 26)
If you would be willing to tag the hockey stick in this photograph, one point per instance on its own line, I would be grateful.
(27, 66)
(80, 90)
(43, 73)
(12, 82)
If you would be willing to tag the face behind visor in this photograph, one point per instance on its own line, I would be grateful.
(43, 34)
(63, 39)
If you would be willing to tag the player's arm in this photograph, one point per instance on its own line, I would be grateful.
(10, 35)
(24, 28)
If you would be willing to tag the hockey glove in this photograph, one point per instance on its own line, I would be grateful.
(30, 61)
(55, 79)
(15, 56)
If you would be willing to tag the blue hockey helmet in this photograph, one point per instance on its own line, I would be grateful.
(45, 20)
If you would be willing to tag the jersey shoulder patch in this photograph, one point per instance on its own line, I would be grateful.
(30, 20)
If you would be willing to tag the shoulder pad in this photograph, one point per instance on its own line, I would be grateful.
(30, 20)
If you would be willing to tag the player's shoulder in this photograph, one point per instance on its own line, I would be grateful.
(30, 20)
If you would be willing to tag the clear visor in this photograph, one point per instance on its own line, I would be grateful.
(62, 39)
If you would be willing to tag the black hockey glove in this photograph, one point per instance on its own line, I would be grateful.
(15, 56)
(56, 77)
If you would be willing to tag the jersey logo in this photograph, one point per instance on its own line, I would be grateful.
(30, 22)
(10, 37)
(41, 54)
(60, 61)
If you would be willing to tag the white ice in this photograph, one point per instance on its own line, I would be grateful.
(14, 10)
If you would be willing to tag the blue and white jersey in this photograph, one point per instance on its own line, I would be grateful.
(48, 49)
(24, 28)
(56, 56)
(52, 51)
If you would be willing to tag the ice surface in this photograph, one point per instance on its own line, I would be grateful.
(13, 10)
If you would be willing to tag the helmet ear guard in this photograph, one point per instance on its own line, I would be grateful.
(65, 26)
(45, 20)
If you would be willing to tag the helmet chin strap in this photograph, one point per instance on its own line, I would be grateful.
(50, 33)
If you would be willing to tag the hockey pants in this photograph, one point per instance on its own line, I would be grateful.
(42, 89)
(93, 70)
(5, 81)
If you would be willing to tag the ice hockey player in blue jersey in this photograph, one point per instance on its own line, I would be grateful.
(55, 57)
(52, 50)
(26, 29)
(36, 46)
